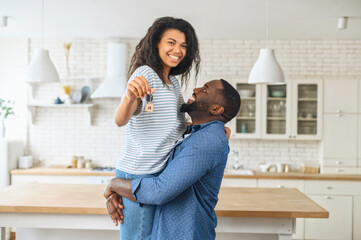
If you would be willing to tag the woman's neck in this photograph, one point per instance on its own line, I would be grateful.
(166, 71)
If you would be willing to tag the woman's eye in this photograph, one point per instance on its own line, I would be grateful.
(171, 43)
(184, 46)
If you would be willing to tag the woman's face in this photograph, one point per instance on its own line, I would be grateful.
(172, 48)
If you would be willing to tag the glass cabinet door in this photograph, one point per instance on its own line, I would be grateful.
(246, 124)
(276, 108)
(308, 106)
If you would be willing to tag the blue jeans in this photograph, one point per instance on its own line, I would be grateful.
(138, 219)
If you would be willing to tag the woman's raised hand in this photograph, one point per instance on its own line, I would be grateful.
(138, 88)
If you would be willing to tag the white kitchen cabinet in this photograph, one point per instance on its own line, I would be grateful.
(357, 218)
(359, 140)
(315, 187)
(289, 111)
(238, 182)
(307, 109)
(276, 111)
(20, 178)
(338, 225)
(16, 179)
(247, 123)
(339, 170)
(296, 116)
(341, 96)
(339, 136)
(281, 183)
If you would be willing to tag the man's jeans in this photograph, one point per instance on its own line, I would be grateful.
(138, 219)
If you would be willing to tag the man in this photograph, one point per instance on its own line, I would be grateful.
(186, 192)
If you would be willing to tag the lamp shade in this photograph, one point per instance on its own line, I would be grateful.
(114, 84)
(41, 68)
(266, 70)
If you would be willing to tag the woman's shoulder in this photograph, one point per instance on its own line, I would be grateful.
(144, 70)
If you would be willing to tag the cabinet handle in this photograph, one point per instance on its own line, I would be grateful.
(338, 111)
(327, 197)
(294, 136)
(280, 186)
(290, 136)
(328, 187)
(338, 162)
(338, 115)
(339, 170)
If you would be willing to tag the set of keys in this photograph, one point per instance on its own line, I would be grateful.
(149, 105)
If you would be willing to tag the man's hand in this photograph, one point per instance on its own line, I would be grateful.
(108, 191)
(114, 207)
(228, 132)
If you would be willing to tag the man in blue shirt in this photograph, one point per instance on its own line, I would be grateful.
(186, 192)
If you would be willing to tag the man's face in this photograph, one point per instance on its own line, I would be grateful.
(204, 97)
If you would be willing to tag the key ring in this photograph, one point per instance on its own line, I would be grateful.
(149, 97)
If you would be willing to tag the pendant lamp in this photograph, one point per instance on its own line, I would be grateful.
(114, 84)
(266, 70)
(41, 68)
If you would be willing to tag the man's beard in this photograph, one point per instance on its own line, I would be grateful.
(194, 106)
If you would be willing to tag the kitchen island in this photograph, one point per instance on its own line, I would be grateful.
(77, 211)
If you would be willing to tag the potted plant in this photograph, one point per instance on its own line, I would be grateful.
(6, 110)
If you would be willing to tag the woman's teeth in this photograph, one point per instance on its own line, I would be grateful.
(175, 58)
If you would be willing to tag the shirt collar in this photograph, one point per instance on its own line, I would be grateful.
(197, 127)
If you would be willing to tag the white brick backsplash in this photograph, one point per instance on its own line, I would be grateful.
(59, 133)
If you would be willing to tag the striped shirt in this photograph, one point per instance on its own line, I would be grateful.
(151, 136)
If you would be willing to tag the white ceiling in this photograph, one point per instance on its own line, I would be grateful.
(212, 19)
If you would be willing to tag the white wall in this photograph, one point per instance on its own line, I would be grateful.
(57, 134)
(13, 62)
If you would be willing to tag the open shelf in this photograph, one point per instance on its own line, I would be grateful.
(33, 106)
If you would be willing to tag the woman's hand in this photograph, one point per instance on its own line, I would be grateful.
(138, 88)
(228, 132)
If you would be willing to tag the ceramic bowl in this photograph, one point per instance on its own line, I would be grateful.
(246, 93)
(278, 94)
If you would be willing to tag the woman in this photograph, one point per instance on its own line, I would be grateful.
(169, 48)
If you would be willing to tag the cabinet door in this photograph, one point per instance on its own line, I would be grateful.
(357, 218)
(307, 109)
(247, 123)
(238, 182)
(341, 96)
(340, 136)
(276, 111)
(18, 178)
(338, 225)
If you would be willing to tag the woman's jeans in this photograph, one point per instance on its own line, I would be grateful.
(138, 219)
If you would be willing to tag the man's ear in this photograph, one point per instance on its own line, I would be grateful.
(216, 110)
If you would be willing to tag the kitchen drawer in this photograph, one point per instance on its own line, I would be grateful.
(339, 170)
(340, 162)
(239, 182)
(98, 179)
(277, 183)
(15, 179)
(332, 187)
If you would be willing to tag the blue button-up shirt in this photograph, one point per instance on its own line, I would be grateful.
(186, 192)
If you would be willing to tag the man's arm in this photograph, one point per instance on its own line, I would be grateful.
(190, 165)
(120, 186)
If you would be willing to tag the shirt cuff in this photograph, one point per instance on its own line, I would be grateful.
(134, 186)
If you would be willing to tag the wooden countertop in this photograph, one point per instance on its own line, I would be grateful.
(88, 199)
(257, 175)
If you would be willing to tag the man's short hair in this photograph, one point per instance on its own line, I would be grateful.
(231, 99)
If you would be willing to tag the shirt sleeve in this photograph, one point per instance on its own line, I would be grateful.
(146, 72)
(189, 166)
